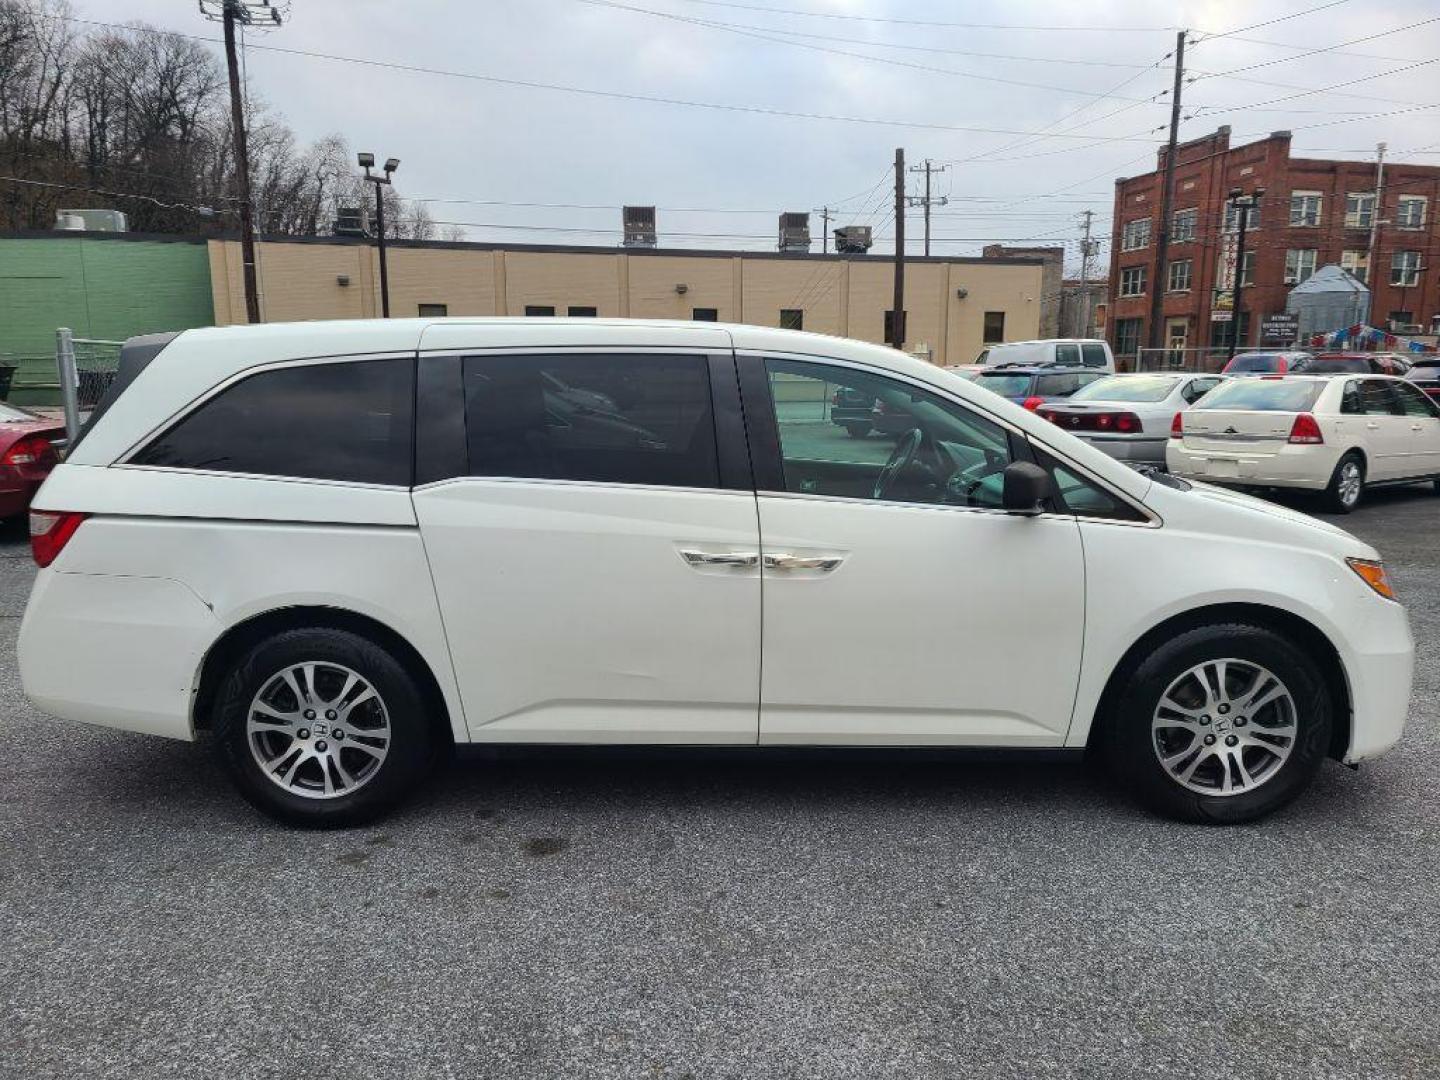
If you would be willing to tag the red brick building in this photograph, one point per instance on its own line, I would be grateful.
(1313, 212)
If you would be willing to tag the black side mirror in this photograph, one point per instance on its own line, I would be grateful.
(1027, 485)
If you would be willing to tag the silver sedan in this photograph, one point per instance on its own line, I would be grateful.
(1130, 416)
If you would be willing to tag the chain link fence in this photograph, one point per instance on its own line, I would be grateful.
(1198, 359)
(87, 367)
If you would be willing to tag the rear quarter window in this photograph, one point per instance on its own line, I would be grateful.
(349, 422)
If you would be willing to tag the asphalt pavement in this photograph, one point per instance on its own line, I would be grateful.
(697, 916)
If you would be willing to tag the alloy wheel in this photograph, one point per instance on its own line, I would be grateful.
(1224, 727)
(1350, 482)
(319, 730)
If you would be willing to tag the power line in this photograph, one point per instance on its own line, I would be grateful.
(919, 22)
(1328, 49)
(1270, 22)
(204, 211)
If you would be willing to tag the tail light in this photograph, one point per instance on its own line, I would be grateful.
(50, 531)
(1305, 430)
(1032, 403)
(1127, 423)
(32, 457)
(1047, 414)
(1177, 427)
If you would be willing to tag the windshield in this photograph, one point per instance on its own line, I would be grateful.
(1262, 395)
(1005, 385)
(1256, 362)
(1128, 388)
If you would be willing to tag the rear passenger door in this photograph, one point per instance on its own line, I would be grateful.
(1385, 430)
(594, 544)
(1424, 422)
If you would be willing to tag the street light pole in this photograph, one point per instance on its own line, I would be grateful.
(367, 162)
(1243, 205)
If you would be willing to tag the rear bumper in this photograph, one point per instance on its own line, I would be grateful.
(1299, 466)
(112, 650)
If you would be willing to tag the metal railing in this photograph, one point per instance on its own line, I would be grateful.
(87, 367)
(1192, 358)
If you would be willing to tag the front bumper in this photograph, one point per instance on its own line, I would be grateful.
(1378, 652)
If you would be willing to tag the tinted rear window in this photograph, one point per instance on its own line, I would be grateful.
(1262, 395)
(1061, 385)
(626, 419)
(349, 422)
(1334, 366)
(1005, 385)
(1255, 362)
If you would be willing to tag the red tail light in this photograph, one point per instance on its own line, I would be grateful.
(1047, 414)
(1305, 430)
(1032, 403)
(32, 457)
(1127, 423)
(1177, 427)
(50, 531)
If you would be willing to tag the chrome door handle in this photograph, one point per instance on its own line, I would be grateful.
(739, 560)
(1417, 427)
(1372, 425)
(823, 563)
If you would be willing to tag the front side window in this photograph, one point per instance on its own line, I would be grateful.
(1410, 212)
(1299, 265)
(1136, 235)
(1132, 281)
(925, 449)
(620, 419)
(1182, 229)
(349, 422)
(1413, 401)
(1359, 209)
(1305, 208)
(1405, 268)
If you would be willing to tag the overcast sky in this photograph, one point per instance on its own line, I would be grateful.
(469, 139)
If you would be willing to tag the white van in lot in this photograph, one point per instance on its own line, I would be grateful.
(337, 548)
(1061, 352)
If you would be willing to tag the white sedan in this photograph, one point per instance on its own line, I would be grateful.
(1336, 435)
(1129, 416)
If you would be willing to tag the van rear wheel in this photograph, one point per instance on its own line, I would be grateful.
(321, 727)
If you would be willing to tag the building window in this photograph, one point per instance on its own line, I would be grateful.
(1299, 265)
(1180, 275)
(433, 311)
(1225, 275)
(1220, 331)
(792, 319)
(1136, 235)
(1247, 271)
(1232, 217)
(1410, 212)
(580, 312)
(1401, 318)
(1182, 228)
(1356, 263)
(1305, 208)
(1405, 268)
(705, 314)
(994, 327)
(1132, 281)
(1127, 336)
(539, 310)
(890, 325)
(1359, 209)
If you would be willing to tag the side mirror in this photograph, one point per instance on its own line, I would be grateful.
(1027, 485)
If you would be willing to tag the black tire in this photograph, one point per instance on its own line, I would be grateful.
(1335, 498)
(857, 431)
(409, 748)
(1131, 746)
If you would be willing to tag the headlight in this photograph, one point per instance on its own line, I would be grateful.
(1374, 575)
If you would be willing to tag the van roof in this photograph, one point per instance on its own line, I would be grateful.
(1051, 341)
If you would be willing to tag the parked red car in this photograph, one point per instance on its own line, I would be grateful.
(28, 451)
(1279, 362)
(1351, 363)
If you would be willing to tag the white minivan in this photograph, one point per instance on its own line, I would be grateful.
(1059, 352)
(336, 549)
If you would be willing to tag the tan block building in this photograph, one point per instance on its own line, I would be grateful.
(955, 306)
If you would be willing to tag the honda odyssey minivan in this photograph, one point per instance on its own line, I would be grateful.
(335, 549)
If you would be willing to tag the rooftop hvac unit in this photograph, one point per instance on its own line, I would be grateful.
(639, 223)
(795, 232)
(349, 221)
(853, 240)
(91, 220)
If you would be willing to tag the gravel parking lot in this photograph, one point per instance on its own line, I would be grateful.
(564, 915)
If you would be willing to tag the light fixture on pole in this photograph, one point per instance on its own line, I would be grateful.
(1243, 205)
(367, 162)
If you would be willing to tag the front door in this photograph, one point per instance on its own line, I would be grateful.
(902, 605)
(1423, 419)
(594, 551)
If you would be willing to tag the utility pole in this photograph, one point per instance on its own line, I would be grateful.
(1372, 275)
(825, 216)
(1085, 252)
(1155, 332)
(897, 321)
(928, 168)
(245, 12)
(1243, 205)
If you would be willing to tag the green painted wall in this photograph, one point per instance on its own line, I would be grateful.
(100, 287)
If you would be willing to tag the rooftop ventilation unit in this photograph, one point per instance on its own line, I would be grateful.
(91, 221)
(350, 221)
(853, 240)
(639, 222)
(795, 232)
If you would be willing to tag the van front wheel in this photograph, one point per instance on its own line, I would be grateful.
(320, 727)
